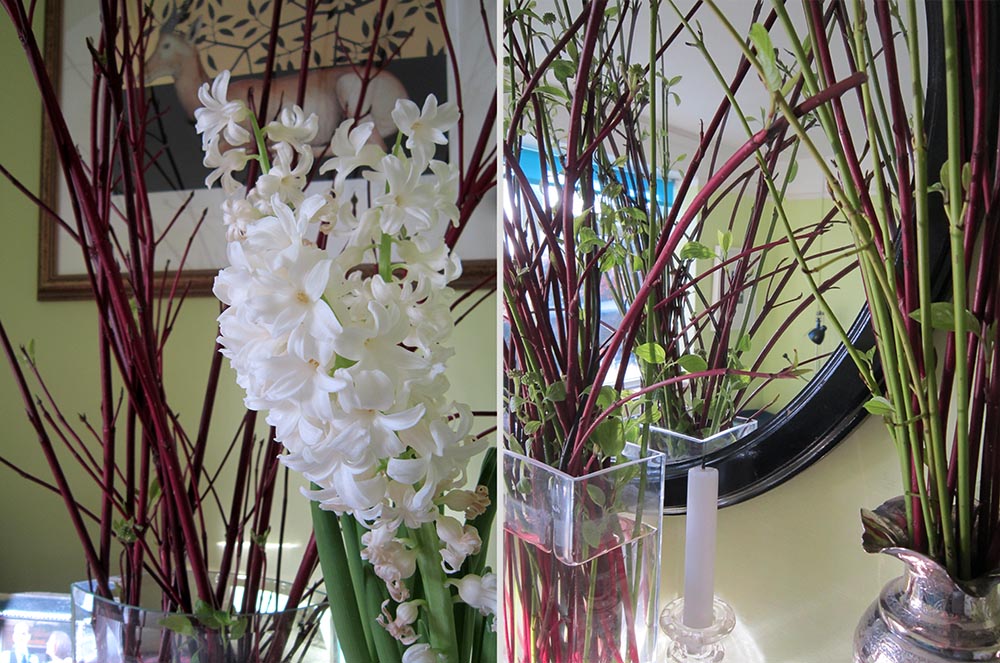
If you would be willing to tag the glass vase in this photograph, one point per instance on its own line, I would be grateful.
(680, 448)
(111, 631)
(582, 558)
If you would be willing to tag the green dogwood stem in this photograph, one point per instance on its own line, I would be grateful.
(966, 481)
(440, 613)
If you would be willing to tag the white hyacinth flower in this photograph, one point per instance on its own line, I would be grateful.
(224, 165)
(401, 627)
(351, 150)
(408, 201)
(393, 561)
(285, 180)
(284, 234)
(366, 413)
(421, 653)
(238, 215)
(480, 592)
(292, 295)
(473, 503)
(374, 340)
(424, 127)
(220, 115)
(410, 507)
(445, 191)
(460, 542)
(351, 368)
(293, 126)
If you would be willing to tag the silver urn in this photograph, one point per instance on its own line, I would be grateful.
(924, 616)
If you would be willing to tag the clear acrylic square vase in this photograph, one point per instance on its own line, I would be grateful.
(582, 559)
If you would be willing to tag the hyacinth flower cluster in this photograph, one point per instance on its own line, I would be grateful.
(350, 365)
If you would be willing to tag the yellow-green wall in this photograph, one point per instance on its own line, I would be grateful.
(38, 549)
(846, 298)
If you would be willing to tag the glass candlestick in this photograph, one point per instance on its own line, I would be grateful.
(688, 644)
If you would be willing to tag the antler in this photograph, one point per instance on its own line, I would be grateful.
(176, 17)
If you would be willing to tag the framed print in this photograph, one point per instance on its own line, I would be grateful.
(191, 41)
(35, 628)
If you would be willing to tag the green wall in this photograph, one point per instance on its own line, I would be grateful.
(38, 548)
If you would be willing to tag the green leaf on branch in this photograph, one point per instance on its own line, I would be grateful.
(556, 392)
(880, 406)
(944, 185)
(154, 492)
(725, 241)
(609, 436)
(124, 530)
(651, 353)
(765, 55)
(259, 539)
(943, 317)
(606, 396)
(563, 70)
(596, 495)
(613, 257)
(743, 345)
(738, 380)
(587, 240)
(531, 427)
(693, 363)
(614, 189)
(556, 93)
(206, 615)
(178, 624)
(697, 251)
(633, 214)
(238, 628)
(591, 533)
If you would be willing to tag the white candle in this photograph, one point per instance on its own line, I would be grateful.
(699, 549)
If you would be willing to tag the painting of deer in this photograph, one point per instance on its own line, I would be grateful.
(333, 93)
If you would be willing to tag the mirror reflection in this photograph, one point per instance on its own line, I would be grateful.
(668, 208)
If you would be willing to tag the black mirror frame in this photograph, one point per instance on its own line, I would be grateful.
(831, 404)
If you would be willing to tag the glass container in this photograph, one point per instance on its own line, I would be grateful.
(582, 558)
